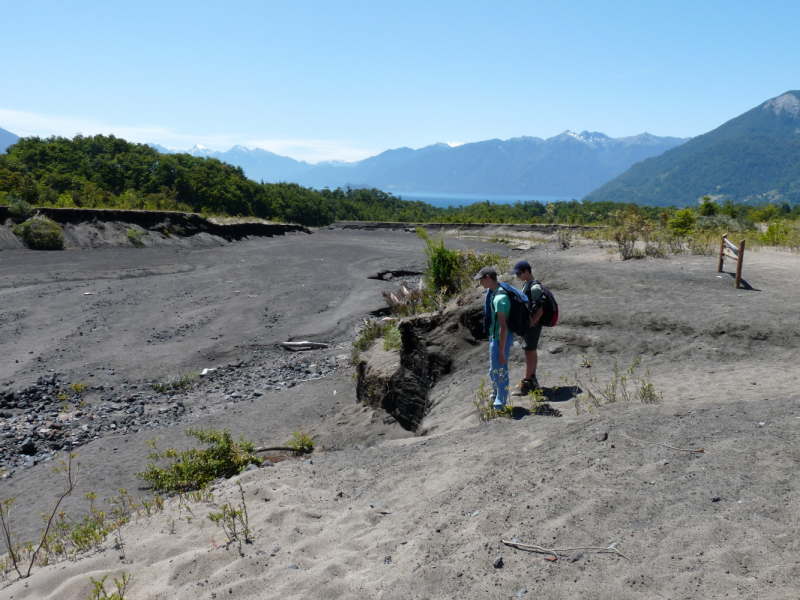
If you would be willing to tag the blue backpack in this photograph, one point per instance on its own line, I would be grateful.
(519, 317)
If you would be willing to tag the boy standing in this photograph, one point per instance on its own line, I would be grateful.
(535, 295)
(496, 311)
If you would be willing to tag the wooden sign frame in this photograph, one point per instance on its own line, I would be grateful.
(729, 250)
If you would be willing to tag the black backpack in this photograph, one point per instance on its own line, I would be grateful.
(519, 317)
(548, 304)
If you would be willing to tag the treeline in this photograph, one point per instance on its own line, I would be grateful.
(108, 172)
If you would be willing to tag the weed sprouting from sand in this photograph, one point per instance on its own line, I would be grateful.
(99, 592)
(175, 384)
(234, 521)
(392, 339)
(371, 331)
(484, 407)
(564, 238)
(540, 405)
(135, 237)
(301, 441)
(623, 386)
(194, 468)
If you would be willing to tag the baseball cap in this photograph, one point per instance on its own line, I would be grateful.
(522, 265)
(486, 271)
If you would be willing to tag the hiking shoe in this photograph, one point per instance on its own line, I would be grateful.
(523, 388)
(534, 383)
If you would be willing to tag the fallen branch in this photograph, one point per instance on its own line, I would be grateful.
(295, 346)
(563, 552)
(282, 449)
(665, 445)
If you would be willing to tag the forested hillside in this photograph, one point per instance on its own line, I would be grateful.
(754, 158)
(108, 172)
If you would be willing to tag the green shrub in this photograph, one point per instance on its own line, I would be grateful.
(301, 441)
(683, 221)
(135, 237)
(99, 590)
(18, 208)
(193, 469)
(392, 340)
(40, 233)
(442, 264)
(777, 234)
(366, 337)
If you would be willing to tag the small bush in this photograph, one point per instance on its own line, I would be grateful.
(18, 208)
(135, 237)
(392, 340)
(627, 386)
(234, 521)
(564, 238)
(683, 221)
(40, 233)
(484, 407)
(193, 469)
(366, 337)
(301, 441)
(99, 590)
(176, 384)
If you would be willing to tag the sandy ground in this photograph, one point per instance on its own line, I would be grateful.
(423, 516)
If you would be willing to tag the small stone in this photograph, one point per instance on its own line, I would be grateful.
(575, 557)
(556, 349)
(251, 467)
(714, 498)
(387, 560)
(28, 447)
(601, 436)
(459, 574)
(522, 592)
(292, 567)
(498, 562)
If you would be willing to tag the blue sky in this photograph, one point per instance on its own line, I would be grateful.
(323, 80)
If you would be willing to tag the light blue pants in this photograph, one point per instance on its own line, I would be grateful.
(498, 372)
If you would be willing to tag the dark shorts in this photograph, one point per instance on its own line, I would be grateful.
(531, 341)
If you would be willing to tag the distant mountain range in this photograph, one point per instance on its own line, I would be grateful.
(6, 139)
(569, 165)
(753, 158)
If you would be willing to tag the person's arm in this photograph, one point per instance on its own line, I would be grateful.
(501, 319)
(536, 316)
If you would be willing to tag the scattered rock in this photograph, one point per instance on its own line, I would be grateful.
(714, 498)
(601, 436)
(28, 447)
(522, 592)
(575, 557)
(292, 567)
(498, 562)
(387, 560)
(557, 349)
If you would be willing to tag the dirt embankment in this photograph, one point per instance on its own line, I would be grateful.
(91, 228)
(399, 383)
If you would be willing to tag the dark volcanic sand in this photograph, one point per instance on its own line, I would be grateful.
(724, 359)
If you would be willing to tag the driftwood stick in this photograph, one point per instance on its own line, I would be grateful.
(282, 449)
(563, 552)
(665, 445)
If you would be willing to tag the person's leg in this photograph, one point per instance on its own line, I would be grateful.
(531, 361)
(494, 366)
(531, 355)
(502, 378)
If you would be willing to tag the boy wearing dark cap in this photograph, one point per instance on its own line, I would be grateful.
(496, 311)
(535, 295)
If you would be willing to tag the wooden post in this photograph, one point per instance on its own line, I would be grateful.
(721, 253)
(739, 264)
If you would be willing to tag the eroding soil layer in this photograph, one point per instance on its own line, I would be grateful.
(87, 228)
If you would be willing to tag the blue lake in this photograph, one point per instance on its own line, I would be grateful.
(444, 199)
